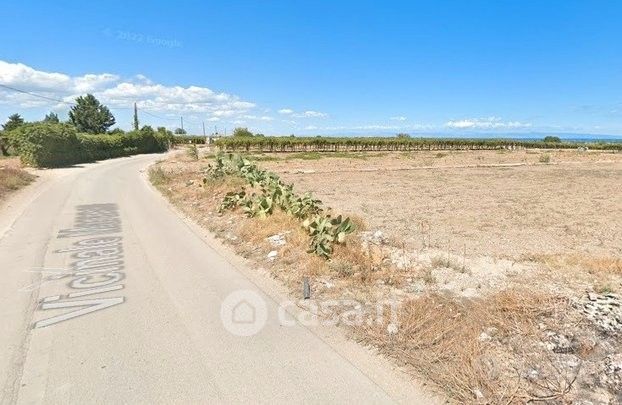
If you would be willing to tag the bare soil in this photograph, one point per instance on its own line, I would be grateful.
(449, 201)
(507, 266)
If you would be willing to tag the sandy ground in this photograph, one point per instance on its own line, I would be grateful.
(493, 203)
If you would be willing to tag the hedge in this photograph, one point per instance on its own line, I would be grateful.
(189, 139)
(53, 145)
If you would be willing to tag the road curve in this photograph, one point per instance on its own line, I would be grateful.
(109, 297)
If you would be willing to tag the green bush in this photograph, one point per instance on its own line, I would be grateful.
(242, 132)
(46, 144)
(552, 139)
(53, 145)
(188, 139)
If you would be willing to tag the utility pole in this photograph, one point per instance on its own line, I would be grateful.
(203, 128)
(215, 130)
(182, 122)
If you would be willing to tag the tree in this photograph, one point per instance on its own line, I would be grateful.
(242, 132)
(90, 116)
(552, 139)
(147, 129)
(3, 147)
(52, 118)
(117, 131)
(135, 118)
(13, 122)
(180, 131)
(403, 135)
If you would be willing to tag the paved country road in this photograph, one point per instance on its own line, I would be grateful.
(109, 296)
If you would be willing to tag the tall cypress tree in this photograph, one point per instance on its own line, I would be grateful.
(135, 118)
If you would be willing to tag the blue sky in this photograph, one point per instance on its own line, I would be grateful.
(323, 67)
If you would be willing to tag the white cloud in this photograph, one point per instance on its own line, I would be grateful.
(114, 91)
(314, 114)
(485, 123)
(303, 114)
(398, 118)
(29, 79)
(261, 118)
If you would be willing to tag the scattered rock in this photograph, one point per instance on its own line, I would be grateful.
(572, 361)
(272, 255)
(402, 259)
(604, 310)
(559, 343)
(392, 329)
(532, 374)
(614, 364)
(374, 238)
(487, 334)
(276, 240)
(478, 394)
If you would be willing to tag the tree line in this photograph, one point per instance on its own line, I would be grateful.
(85, 136)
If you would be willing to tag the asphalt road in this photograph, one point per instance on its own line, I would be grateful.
(108, 296)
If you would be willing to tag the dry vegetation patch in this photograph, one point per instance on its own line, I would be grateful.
(474, 348)
(12, 176)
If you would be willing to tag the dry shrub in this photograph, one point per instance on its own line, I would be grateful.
(604, 265)
(368, 266)
(438, 337)
(13, 178)
(592, 264)
(448, 262)
(358, 221)
(158, 176)
(256, 230)
(603, 273)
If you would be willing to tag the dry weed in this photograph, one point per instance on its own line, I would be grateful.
(439, 337)
(12, 177)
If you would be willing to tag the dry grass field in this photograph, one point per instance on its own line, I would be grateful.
(507, 266)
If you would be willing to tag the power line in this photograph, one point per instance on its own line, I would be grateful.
(57, 100)
(37, 95)
(157, 116)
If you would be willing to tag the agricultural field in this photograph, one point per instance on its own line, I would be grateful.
(399, 143)
(506, 264)
(502, 204)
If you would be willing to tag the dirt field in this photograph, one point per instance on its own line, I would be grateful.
(507, 266)
(571, 205)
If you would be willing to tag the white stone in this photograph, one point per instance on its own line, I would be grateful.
(276, 240)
